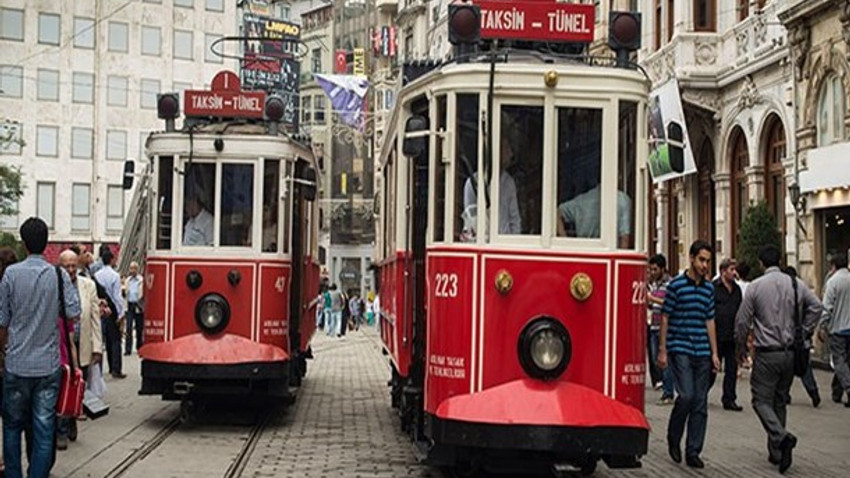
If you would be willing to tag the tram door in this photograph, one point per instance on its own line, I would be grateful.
(416, 149)
(303, 194)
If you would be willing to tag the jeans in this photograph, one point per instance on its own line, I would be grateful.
(337, 322)
(330, 325)
(692, 376)
(667, 373)
(28, 399)
(652, 354)
(63, 426)
(135, 323)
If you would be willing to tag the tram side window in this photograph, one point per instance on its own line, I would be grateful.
(237, 205)
(626, 175)
(521, 170)
(466, 168)
(198, 204)
(164, 204)
(271, 199)
(579, 172)
(440, 174)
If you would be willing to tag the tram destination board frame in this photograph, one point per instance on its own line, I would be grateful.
(537, 20)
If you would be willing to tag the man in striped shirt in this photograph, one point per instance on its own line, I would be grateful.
(688, 336)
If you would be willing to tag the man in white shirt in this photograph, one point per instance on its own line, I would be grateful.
(109, 279)
(510, 221)
(198, 230)
(583, 211)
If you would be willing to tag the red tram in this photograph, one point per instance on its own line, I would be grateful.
(518, 332)
(231, 248)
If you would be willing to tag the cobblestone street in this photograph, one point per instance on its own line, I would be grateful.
(342, 425)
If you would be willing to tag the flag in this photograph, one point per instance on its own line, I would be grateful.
(347, 94)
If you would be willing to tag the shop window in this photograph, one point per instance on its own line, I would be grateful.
(831, 111)
(739, 161)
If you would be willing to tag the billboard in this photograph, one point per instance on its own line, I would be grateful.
(670, 152)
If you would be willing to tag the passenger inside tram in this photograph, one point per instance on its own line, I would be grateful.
(510, 221)
(198, 230)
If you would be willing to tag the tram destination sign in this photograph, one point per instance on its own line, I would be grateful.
(536, 20)
(225, 98)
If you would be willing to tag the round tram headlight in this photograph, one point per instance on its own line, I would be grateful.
(544, 348)
(212, 313)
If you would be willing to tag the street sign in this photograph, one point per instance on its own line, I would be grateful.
(225, 98)
(536, 21)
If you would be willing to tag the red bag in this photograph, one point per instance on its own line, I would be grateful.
(72, 386)
(71, 390)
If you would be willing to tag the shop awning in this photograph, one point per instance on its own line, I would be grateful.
(829, 168)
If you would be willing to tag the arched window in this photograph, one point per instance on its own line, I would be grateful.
(705, 169)
(739, 161)
(705, 15)
(774, 172)
(831, 108)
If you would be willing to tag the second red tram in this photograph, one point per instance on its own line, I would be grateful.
(512, 261)
(231, 260)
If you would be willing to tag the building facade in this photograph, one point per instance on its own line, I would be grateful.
(78, 86)
(735, 76)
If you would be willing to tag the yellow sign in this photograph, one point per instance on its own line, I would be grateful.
(359, 68)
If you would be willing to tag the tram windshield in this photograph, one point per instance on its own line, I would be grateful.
(198, 205)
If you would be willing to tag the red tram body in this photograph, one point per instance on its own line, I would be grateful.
(230, 267)
(520, 332)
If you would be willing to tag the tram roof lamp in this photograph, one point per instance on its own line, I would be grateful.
(624, 31)
(274, 108)
(167, 105)
(464, 24)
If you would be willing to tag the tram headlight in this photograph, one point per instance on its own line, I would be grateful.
(212, 313)
(544, 348)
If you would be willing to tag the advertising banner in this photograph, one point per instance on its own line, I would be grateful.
(359, 67)
(670, 152)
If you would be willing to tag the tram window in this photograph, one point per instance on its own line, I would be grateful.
(164, 204)
(440, 175)
(287, 204)
(521, 170)
(271, 200)
(626, 175)
(579, 172)
(237, 205)
(466, 168)
(198, 204)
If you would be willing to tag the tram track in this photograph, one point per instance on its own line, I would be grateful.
(146, 449)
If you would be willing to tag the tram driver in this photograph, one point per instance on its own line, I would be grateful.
(198, 230)
(510, 221)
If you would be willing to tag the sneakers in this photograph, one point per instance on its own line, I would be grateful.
(665, 401)
(657, 385)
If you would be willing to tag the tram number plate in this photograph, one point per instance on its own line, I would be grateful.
(445, 285)
(638, 292)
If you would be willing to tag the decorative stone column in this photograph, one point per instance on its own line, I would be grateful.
(722, 206)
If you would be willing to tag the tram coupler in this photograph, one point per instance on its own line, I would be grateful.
(622, 461)
(182, 388)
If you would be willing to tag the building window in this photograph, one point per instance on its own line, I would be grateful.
(48, 28)
(305, 110)
(671, 18)
(114, 208)
(151, 41)
(184, 3)
(118, 37)
(743, 9)
(48, 85)
(658, 23)
(47, 140)
(143, 136)
(81, 207)
(597, 10)
(705, 15)
(45, 200)
(11, 81)
(11, 24)
(116, 145)
(215, 5)
(774, 171)
(83, 33)
(82, 143)
(388, 99)
(183, 44)
(319, 109)
(149, 90)
(116, 94)
(209, 55)
(281, 10)
(83, 88)
(317, 60)
(739, 161)
(831, 110)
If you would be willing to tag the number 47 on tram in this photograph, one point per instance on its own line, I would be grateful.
(512, 261)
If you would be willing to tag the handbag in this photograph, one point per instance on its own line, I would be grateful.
(801, 347)
(94, 406)
(71, 386)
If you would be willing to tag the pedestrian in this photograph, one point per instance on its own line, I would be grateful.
(134, 285)
(96, 266)
(727, 301)
(67, 352)
(370, 309)
(335, 312)
(836, 322)
(346, 314)
(354, 308)
(110, 281)
(327, 307)
(29, 306)
(89, 336)
(688, 335)
(810, 384)
(7, 258)
(770, 309)
(656, 290)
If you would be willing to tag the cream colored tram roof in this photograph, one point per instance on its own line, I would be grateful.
(241, 141)
(521, 76)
